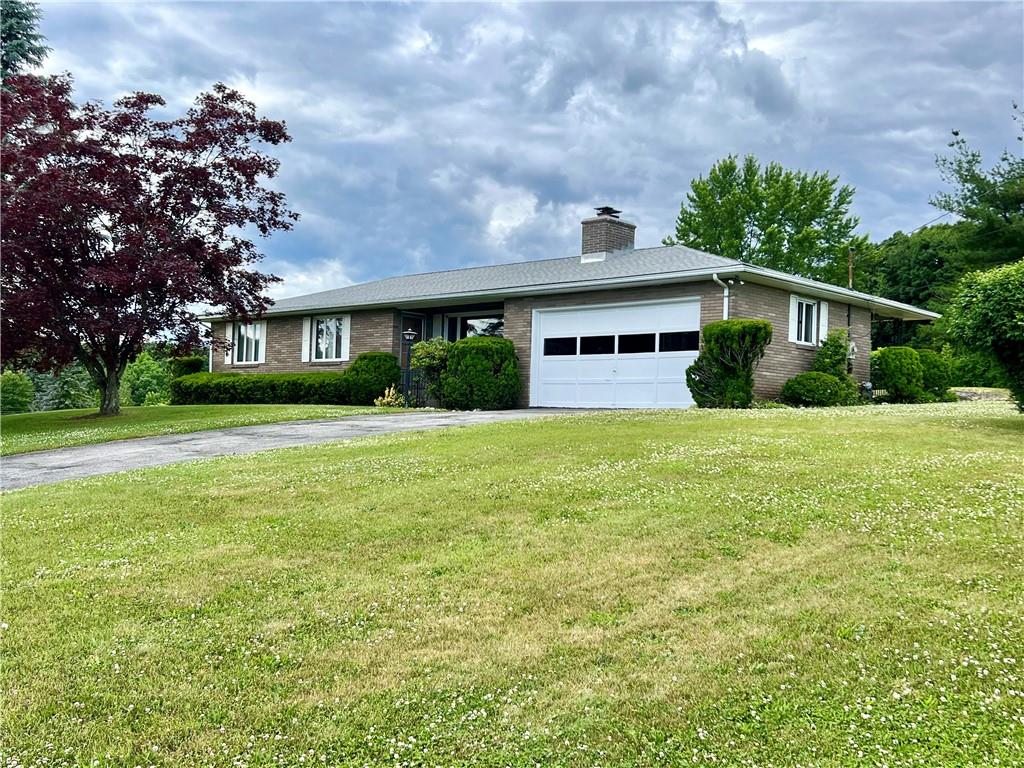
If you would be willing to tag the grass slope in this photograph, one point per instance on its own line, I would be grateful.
(23, 432)
(781, 587)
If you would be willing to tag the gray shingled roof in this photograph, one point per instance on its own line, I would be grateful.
(510, 277)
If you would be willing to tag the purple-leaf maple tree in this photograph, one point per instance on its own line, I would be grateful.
(116, 225)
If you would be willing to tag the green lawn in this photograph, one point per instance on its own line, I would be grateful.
(777, 587)
(40, 431)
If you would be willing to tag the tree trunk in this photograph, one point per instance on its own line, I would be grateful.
(110, 395)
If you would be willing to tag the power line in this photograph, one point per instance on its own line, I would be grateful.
(940, 216)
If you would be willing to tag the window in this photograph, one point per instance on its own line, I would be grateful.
(679, 341)
(804, 321)
(328, 338)
(563, 345)
(597, 345)
(636, 343)
(463, 326)
(247, 342)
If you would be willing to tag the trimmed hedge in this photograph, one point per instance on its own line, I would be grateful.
(482, 373)
(814, 389)
(187, 364)
(366, 379)
(722, 376)
(236, 388)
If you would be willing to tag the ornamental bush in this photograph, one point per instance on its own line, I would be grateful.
(16, 392)
(898, 371)
(482, 373)
(186, 364)
(370, 375)
(430, 358)
(722, 376)
(832, 355)
(936, 374)
(814, 389)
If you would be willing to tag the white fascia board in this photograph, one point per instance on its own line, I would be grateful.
(755, 274)
(817, 289)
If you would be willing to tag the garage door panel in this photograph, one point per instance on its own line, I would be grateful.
(636, 395)
(674, 395)
(597, 393)
(560, 368)
(635, 375)
(596, 367)
(675, 364)
(636, 367)
(563, 394)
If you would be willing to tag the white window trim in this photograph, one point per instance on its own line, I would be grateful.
(819, 307)
(230, 354)
(309, 328)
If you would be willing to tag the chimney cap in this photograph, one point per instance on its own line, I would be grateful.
(607, 210)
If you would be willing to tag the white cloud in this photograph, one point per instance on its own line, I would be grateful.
(433, 136)
(299, 278)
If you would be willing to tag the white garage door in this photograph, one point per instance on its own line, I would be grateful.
(615, 356)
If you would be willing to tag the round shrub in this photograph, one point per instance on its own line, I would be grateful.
(814, 389)
(936, 373)
(898, 371)
(370, 375)
(16, 392)
(482, 373)
(722, 376)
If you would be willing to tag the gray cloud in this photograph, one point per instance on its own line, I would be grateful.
(433, 136)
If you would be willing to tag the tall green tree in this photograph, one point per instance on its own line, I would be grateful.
(987, 315)
(774, 217)
(922, 269)
(21, 44)
(991, 200)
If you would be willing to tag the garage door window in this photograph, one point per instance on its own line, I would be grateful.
(679, 341)
(597, 345)
(636, 343)
(564, 345)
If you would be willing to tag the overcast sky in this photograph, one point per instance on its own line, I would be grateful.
(437, 136)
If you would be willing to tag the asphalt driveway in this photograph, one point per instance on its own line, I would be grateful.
(43, 467)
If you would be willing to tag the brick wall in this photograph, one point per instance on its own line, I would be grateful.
(603, 234)
(372, 331)
(380, 330)
(784, 359)
(519, 312)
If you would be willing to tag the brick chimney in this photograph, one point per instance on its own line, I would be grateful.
(606, 233)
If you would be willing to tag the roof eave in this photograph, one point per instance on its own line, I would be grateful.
(761, 275)
(878, 305)
(575, 286)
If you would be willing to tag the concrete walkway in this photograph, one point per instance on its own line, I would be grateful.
(43, 467)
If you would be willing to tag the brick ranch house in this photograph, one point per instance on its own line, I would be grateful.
(613, 327)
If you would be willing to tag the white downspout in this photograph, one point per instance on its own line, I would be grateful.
(725, 295)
